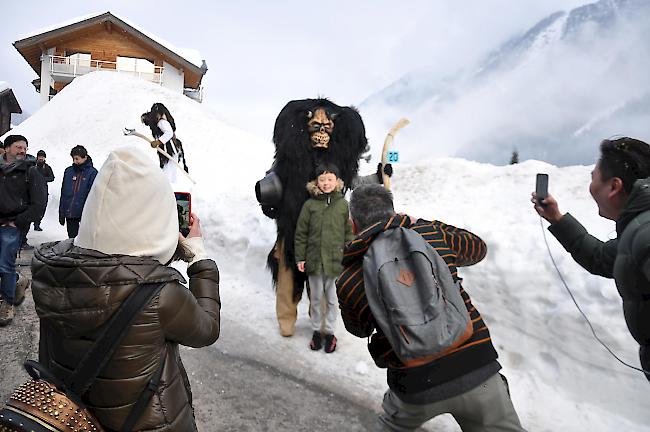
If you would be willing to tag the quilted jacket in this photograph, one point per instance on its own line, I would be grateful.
(77, 290)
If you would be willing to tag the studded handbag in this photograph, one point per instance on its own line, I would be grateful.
(46, 403)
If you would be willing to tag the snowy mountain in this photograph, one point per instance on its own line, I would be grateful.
(560, 378)
(552, 93)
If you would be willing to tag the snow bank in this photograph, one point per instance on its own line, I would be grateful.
(560, 378)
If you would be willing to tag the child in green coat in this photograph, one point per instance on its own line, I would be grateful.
(322, 231)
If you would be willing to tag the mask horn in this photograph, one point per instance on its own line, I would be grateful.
(310, 114)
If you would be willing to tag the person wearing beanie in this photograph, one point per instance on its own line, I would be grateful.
(128, 235)
(47, 173)
(77, 181)
(21, 201)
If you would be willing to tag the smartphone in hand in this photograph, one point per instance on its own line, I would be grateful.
(183, 208)
(541, 188)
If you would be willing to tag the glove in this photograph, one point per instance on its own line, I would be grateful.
(196, 246)
(388, 170)
(62, 220)
(270, 212)
(155, 143)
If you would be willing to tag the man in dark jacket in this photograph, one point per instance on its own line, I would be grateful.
(22, 199)
(48, 175)
(464, 382)
(77, 181)
(620, 185)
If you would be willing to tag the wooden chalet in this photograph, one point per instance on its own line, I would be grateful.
(8, 105)
(106, 42)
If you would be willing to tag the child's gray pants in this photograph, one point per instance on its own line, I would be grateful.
(318, 285)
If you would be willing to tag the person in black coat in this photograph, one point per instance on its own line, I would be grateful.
(21, 201)
(46, 171)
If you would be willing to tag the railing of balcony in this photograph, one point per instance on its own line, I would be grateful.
(74, 67)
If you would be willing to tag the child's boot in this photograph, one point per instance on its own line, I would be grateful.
(330, 343)
(316, 342)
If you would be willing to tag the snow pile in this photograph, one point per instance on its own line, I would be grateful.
(560, 378)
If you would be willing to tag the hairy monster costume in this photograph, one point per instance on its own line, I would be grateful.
(307, 133)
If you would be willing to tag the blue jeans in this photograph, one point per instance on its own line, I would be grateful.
(9, 244)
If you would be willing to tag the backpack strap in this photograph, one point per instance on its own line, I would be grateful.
(101, 352)
(144, 397)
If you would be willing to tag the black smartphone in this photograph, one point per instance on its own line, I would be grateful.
(541, 188)
(184, 208)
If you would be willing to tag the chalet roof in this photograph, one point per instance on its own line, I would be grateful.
(7, 92)
(31, 45)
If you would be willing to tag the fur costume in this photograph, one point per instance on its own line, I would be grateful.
(174, 145)
(307, 133)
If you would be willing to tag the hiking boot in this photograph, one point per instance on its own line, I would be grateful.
(6, 313)
(330, 343)
(22, 283)
(316, 342)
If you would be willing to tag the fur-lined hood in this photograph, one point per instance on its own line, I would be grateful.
(314, 192)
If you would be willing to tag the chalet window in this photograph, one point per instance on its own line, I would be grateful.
(80, 59)
(135, 65)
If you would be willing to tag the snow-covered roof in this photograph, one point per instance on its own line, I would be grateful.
(191, 55)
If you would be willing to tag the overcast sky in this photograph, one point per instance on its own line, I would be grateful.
(262, 54)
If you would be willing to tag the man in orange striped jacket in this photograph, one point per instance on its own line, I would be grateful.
(465, 382)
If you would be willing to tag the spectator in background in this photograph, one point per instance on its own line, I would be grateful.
(48, 175)
(21, 201)
(77, 181)
(2, 148)
(31, 160)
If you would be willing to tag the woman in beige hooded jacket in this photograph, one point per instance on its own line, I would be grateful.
(128, 236)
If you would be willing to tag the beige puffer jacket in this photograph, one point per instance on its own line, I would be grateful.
(77, 290)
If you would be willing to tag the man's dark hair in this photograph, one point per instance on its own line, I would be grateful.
(41, 153)
(625, 158)
(326, 168)
(79, 151)
(14, 138)
(370, 204)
